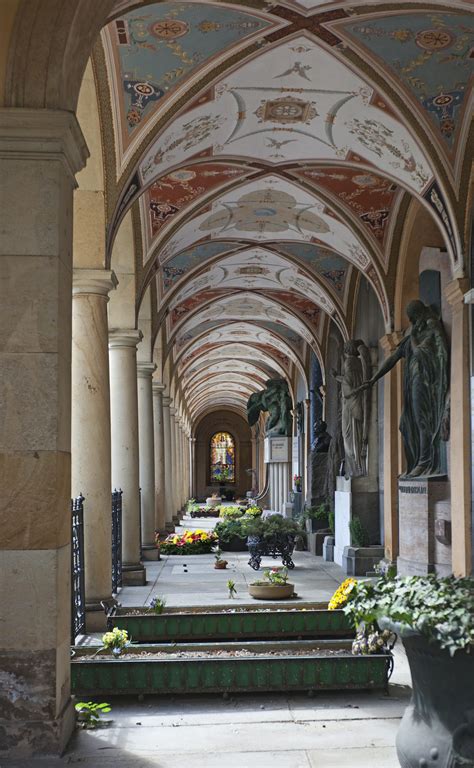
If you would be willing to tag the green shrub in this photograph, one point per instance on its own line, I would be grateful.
(317, 513)
(231, 513)
(227, 529)
(273, 526)
(359, 534)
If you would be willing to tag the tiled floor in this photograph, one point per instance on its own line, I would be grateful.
(345, 730)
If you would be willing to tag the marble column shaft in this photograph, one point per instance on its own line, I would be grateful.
(40, 153)
(158, 421)
(168, 461)
(90, 427)
(146, 446)
(390, 452)
(125, 457)
(460, 432)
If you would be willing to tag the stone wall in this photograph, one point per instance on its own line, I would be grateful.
(225, 421)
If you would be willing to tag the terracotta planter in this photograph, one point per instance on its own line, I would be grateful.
(271, 591)
(220, 565)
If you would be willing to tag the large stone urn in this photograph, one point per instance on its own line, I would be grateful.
(437, 729)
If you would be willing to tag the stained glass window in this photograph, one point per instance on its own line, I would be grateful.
(222, 458)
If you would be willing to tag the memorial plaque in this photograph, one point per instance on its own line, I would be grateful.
(277, 449)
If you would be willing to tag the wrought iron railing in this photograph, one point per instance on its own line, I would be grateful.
(78, 591)
(116, 541)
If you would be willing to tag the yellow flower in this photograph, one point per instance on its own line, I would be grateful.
(341, 594)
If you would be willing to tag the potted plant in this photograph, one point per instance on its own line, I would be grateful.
(274, 536)
(435, 618)
(273, 586)
(297, 481)
(316, 518)
(220, 564)
(115, 641)
(232, 534)
(196, 542)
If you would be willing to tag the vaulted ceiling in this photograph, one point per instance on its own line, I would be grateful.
(266, 150)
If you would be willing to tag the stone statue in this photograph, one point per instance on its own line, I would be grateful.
(322, 438)
(277, 401)
(423, 422)
(299, 413)
(351, 380)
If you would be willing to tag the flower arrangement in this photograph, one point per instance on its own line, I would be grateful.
(277, 576)
(196, 542)
(341, 595)
(115, 641)
(231, 588)
(157, 605)
(231, 513)
(297, 480)
(253, 511)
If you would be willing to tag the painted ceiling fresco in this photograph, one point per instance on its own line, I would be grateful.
(331, 267)
(430, 54)
(155, 49)
(270, 160)
(256, 269)
(177, 266)
(173, 192)
(369, 195)
(292, 114)
(268, 208)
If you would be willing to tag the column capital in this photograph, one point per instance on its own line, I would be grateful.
(145, 370)
(158, 388)
(38, 133)
(127, 337)
(166, 401)
(455, 292)
(96, 281)
(390, 341)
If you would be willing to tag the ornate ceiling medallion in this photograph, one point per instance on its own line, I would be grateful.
(169, 29)
(286, 109)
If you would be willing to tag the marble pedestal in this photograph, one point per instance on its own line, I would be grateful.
(277, 454)
(425, 527)
(354, 497)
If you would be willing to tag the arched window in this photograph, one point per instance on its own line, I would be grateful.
(222, 458)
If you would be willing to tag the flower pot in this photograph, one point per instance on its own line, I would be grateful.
(437, 727)
(271, 591)
(220, 565)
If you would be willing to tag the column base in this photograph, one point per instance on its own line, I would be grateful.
(133, 575)
(169, 527)
(25, 738)
(96, 620)
(150, 552)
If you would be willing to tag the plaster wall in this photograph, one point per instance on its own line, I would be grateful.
(225, 421)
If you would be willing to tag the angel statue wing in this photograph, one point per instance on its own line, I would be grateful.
(254, 408)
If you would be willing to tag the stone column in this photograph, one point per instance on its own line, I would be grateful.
(460, 434)
(192, 479)
(146, 452)
(184, 483)
(90, 432)
(168, 462)
(390, 451)
(40, 153)
(124, 431)
(160, 516)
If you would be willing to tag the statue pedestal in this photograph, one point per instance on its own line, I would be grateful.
(277, 453)
(356, 497)
(424, 512)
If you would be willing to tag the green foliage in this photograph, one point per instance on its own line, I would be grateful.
(253, 511)
(276, 575)
(157, 605)
(332, 521)
(231, 513)
(441, 609)
(227, 529)
(89, 712)
(359, 533)
(192, 506)
(273, 526)
(317, 513)
(231, 588)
